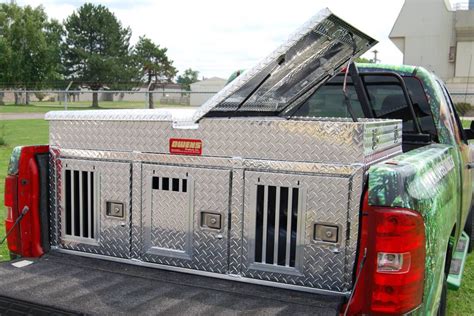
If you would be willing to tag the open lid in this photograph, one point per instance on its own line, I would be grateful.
(311, 56)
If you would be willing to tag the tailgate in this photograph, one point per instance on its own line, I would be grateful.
(94, 286)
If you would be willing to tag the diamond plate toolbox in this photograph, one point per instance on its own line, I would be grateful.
(253, 204)
(229, 190)
(324, 141)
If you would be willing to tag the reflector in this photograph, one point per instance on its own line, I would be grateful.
(393, 262)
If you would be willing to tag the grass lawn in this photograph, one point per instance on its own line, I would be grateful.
(29, 132)
(43, 107)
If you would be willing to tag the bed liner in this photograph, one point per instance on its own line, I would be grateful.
(94, 286)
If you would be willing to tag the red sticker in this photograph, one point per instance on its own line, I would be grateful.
(182, 146)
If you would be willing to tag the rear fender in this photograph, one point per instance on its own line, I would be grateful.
(426, 180)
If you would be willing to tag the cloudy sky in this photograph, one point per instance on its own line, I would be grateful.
(218, 37)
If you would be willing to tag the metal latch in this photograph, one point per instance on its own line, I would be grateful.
(211, 220)
(396, 134)
(115, 209)
(326, 233)
(375, 139)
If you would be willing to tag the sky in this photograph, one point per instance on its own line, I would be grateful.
(219, 37)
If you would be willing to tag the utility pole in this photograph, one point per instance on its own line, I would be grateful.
(375, 60)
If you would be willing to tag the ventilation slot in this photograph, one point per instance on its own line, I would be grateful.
(79, 204)
(276, 225)
(170, 184)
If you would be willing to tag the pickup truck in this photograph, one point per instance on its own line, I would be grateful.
(308, 185)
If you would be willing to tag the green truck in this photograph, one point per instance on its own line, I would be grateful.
(308, 185)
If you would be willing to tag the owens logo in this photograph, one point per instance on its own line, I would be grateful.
(182, 146)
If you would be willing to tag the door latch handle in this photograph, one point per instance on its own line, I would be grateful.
(470, 165)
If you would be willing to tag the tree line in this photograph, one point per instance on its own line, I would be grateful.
(90, 47)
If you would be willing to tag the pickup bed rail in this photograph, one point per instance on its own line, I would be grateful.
(94, 286)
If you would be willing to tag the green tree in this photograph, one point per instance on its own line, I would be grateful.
(28, 54)
(54, 33)
(154, 65)
(362, 60)
(189, 76)
(97, 49)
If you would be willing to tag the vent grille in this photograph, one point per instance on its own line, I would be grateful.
(79, 204)
(170, 184)
(276, 225)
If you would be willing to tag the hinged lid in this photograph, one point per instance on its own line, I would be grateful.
(312, 55)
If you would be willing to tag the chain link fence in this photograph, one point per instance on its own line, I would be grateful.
(169, 95)
(463, 98)
(117, 99)
(125, 95)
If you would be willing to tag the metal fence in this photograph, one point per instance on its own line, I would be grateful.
(463, 98)
(459, 5)
(125, 99)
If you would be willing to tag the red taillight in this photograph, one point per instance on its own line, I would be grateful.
(10, 191)
(392, 278)
(11, 204)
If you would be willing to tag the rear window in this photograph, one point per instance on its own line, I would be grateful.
(386, 99)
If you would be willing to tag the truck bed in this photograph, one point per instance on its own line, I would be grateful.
(74, 284)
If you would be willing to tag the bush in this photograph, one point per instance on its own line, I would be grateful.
(462, 108)
(2, 135)
(40, 96)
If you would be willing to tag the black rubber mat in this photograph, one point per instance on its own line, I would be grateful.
(16, 307)
(99, 287)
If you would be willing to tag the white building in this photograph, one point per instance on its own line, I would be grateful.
(439, 35)
(202, 90)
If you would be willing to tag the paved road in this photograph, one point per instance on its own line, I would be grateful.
(20, 116)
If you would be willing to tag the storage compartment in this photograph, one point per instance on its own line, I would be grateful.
(297, 229)
(184, 217)
(94, 201)
(268, 200)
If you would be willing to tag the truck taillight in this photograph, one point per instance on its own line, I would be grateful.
(11, 202)
(10, 191)
(9, 213)
(392, 278)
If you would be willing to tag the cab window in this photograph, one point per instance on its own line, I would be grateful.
(386, 98)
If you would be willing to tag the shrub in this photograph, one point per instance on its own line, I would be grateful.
(40, 96)
(462, 108)
(2, 135)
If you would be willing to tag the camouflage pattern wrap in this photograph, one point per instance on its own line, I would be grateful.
(427, 180)
(14, 159)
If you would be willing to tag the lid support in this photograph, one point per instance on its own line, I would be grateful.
(360, 90)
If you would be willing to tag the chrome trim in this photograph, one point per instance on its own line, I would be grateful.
(277, 225)
(339, 170)
(265, 224)
(288, 228)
